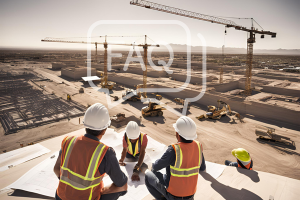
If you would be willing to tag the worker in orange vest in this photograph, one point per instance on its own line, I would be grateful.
(134, 148)
(243, 159)
(84, 160)
(183, 162)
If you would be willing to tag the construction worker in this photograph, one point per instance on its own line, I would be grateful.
(243, 159)
(84, 160)
(134, 148)
(183, 162)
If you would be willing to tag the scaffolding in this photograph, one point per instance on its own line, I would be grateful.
(22, 106)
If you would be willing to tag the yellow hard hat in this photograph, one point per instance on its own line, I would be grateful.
(241, 154)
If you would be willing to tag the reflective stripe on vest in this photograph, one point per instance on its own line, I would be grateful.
(129, 144)
(177, 171)
(78, 181)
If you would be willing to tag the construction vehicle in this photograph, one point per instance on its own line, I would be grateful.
(158, 97)
(267, 133)
(118, 120)
(153, 109)
(181, 101)
(118, 117)
(136, 95)
(109, 85)
(69, 97)
(81, 90)
(217, 113)
(216, 20)
(116, 98)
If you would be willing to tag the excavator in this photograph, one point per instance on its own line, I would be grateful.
(268, 134)
(217, 113)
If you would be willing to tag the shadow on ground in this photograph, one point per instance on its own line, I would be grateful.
(228, 192)
(21, 193)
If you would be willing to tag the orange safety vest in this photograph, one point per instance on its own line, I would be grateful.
(248, 166)
(184, 174)
(138, 145)
(79, 174)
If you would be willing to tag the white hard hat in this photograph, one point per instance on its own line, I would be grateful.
(132, 130)
(96, 117)
(186, 128)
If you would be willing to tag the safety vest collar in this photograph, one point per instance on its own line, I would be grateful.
(138, 144)
(76, 180)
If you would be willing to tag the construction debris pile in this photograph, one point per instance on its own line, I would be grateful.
(22, 105)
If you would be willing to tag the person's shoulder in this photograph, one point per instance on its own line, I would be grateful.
(110, 152)
(170, 148)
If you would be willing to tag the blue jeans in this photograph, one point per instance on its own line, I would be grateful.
(157, 187)
(229, 163)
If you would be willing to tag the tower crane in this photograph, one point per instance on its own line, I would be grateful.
(228, 23)
(104, 83)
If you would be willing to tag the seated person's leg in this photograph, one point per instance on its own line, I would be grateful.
(155, 184)
(229, 163)
(112, 196)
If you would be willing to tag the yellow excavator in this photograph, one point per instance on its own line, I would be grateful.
(268, 134)
(217, 113)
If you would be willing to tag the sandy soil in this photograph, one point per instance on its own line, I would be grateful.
(218, 137)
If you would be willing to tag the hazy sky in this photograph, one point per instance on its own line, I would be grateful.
(23, 23)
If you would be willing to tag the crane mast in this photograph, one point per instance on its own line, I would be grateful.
(228, 23)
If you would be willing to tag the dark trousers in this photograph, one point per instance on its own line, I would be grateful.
(157, 187)
(229, 163)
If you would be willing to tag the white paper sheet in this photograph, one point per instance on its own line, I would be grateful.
(40, 179)
(214, 169)
(21, 155)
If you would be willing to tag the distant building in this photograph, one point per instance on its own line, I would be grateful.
(77, 72)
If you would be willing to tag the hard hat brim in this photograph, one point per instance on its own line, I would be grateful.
(98, 129)
(185, 137)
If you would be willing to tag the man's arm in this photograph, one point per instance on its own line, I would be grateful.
(56, 168)
(203, 165)
(112, 168)
(141, 157)
(166, 160)
(137, 168)
(123, 155)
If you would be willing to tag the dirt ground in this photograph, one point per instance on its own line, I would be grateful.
(218, 137)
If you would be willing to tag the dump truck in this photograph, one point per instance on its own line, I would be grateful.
(268, 134)
(153, 109)
(136, 95)
(214, 112)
